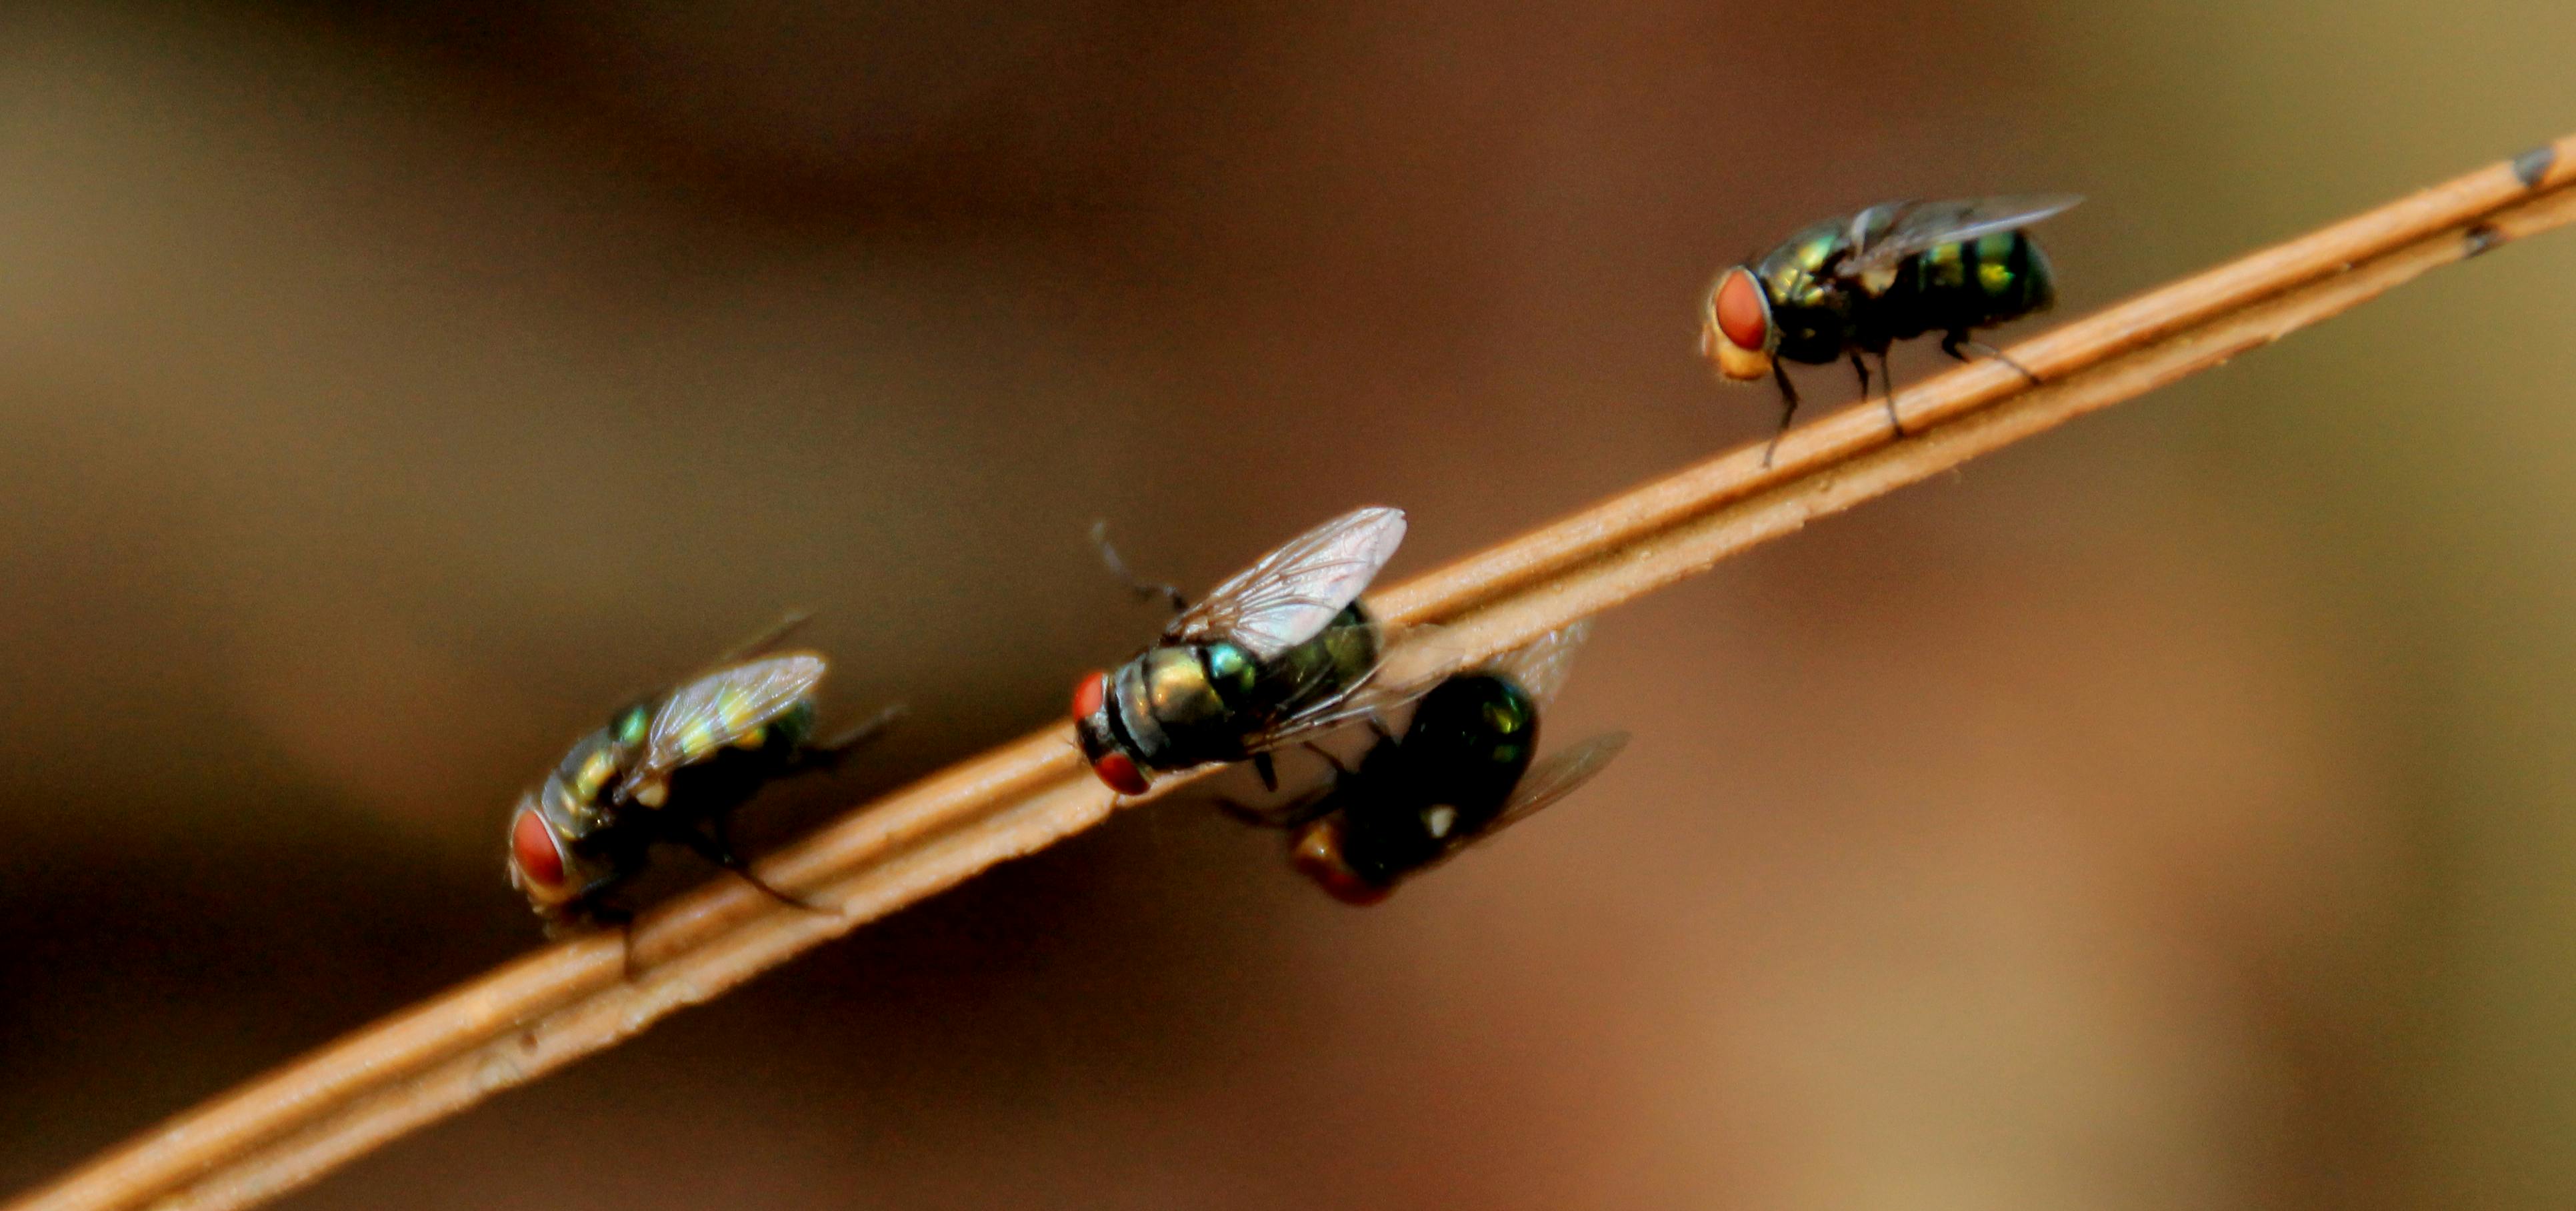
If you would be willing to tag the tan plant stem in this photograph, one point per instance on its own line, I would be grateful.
(569, 1000)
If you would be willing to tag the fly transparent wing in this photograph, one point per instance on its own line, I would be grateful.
(1288, 597)
(1542, 665)
(1370, 697)
(1405, 673)
(1923, 226)
(1410, 663)
(1557, 777)
(1545, 783)
(758, 645)
(723, 707)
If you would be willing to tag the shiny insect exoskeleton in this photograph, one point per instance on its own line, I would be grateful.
(1264, 657)
(1459, 773)
(1855, 285)
(669, 769)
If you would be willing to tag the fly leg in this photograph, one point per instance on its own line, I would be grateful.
(597, 916)
(1959, 346)
(1296, 812)
(626, 948)
(831, 753)
(1286, 815)
(1329, 758)
(1144, 590)
(767, 641)
(624, 921)
(1788, 408)
(1887, 385)
(716, 845)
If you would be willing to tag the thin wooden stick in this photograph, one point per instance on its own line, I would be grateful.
(293, 1125)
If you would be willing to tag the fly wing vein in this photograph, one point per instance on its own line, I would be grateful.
(1289, 596)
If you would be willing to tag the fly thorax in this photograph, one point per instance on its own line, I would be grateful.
(1231, 672)
(632, 726)
(577, 793)
(1131, 712)
(1178, 694)
(572, 816)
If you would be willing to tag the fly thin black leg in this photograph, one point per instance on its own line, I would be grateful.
(1245, 813)
(1286, 815)
(1788, 408)
(626, 946)
(1887, 384)
(1959, 346)
(717, 847)
(831, 753)
(1327, 755)
(768, 641)
(1144, 590)
(598, 916)
(1267, 769)
(1861, 368)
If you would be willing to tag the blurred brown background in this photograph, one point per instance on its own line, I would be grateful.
(2179, 810)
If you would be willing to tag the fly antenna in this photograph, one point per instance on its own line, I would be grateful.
(1143, 589)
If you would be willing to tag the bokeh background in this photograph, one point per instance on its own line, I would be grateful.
(2178, 810)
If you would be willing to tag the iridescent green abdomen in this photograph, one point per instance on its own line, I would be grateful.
(1335, 660)
(1956, 287)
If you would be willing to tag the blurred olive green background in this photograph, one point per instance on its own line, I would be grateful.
(2178, 810)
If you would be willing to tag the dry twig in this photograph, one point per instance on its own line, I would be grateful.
(571, 999)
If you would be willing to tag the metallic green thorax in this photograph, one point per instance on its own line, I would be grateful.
(1950, 288)
(1175, 707)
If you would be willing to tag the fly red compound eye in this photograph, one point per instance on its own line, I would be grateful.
(532, 846)
(1743, 315)
(1089, 693)
(1120, 773)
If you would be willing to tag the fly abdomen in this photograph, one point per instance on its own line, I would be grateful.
(1971, 284)
(1331, 662)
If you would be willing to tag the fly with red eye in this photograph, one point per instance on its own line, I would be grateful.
(1247, 669)
(1858, 284)
(671, 770)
